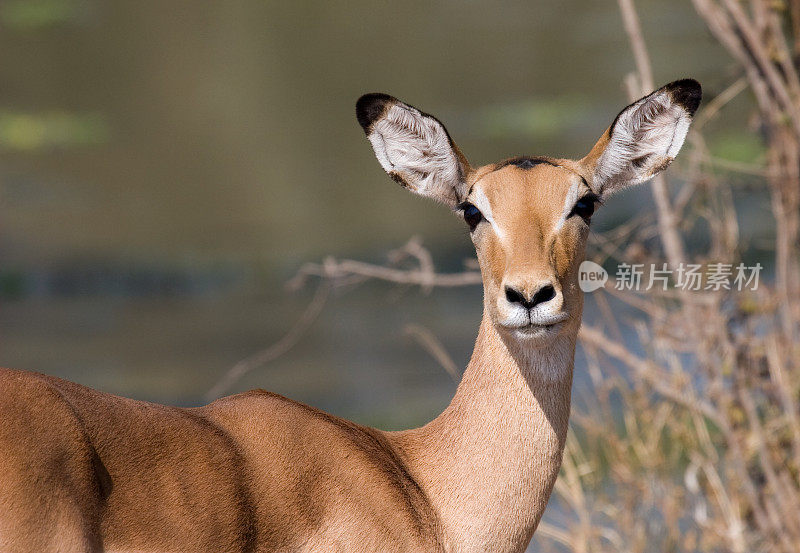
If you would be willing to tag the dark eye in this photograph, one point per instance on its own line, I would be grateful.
(472, 215)
(584, 208)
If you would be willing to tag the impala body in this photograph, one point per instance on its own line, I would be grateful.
(84, 471)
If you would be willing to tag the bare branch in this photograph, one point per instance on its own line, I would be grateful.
(279, 348)
(339, 271)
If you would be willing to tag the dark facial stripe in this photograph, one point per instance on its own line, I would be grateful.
(525, 162)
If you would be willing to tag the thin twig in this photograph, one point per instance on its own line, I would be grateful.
(425, 276)
(434, 347)
(279, 348)
(667, 221)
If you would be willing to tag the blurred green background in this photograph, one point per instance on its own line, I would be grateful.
(165, 167)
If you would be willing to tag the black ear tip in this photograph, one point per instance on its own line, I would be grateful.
(371, 106)
(686, 92)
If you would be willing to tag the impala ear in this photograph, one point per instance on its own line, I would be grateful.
(414, 148)
(644, 138)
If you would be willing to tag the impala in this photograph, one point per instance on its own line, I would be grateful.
(85, 471)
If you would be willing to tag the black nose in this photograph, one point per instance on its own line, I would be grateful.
(543, 294)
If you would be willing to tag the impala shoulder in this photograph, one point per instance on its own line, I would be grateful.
(251, 396)
(21, 390)
(39, 422)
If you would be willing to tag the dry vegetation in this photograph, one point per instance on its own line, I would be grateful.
(690, 440)
(705, 451)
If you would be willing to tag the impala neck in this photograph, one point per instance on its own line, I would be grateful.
(489, 461)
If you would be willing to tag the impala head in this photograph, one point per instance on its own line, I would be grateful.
(529, 216)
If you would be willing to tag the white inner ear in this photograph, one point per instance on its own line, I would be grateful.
(416, 147)
(645, 139)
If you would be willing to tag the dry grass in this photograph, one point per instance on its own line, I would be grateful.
(704, 454)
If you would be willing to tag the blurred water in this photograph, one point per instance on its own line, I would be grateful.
(165, 167)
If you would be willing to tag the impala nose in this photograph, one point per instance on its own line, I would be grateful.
(544, 294)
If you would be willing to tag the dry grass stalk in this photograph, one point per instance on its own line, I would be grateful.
(704, 452)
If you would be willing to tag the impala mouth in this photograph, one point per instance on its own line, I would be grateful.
(532, 328)
(538, 326)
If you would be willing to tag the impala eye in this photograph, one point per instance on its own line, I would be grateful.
(472, 215)
(584, 208)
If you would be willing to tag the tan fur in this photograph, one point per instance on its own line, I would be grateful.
(83, 471)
